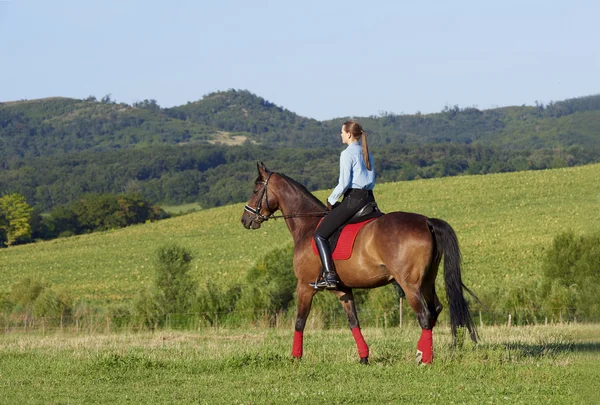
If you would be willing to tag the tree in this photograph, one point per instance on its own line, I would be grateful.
(15, 217)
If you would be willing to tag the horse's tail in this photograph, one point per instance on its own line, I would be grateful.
(447, 244)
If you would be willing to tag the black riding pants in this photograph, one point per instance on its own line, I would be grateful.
(354, 200)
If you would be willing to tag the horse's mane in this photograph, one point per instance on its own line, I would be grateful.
(302, 189)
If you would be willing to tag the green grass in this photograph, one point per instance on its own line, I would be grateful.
(504, 223)
(181, 209)
(531, 365)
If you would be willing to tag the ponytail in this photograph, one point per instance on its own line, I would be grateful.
(365, 150)
(357, 132)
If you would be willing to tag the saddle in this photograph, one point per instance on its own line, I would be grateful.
(345, 235)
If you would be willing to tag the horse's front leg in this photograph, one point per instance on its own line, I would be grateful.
(305, 294)
(347, 299)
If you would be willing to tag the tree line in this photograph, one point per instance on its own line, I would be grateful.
(218, 175)
(20, 223)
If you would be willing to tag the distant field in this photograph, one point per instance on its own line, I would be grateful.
(504, 223)
(183, 208)
(530, 365)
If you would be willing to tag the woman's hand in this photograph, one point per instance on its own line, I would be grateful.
(330, 207)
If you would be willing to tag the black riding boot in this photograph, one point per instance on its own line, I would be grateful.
(329, 281)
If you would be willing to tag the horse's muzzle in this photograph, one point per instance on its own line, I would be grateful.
(250, 222)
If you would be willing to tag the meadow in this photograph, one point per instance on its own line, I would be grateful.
(554, 364)
(504, 223)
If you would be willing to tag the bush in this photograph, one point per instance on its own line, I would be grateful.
(216, 305)
(523, 303)
(571, 279)
(6, 305)
(54, 304)
(174, 291)
(24, 293)
(271, 284)
(177, 290)
(119, 314)
(146, 310)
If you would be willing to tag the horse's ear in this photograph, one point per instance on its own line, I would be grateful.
(262, 170)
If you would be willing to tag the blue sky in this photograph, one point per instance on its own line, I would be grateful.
(320, 59)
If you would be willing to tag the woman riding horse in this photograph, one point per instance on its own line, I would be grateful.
(356, 182)
(399, 246)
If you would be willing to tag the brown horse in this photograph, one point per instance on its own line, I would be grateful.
(403, 247)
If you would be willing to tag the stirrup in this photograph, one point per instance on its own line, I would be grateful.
(325, 284)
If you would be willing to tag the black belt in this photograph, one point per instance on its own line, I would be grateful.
(356, 190)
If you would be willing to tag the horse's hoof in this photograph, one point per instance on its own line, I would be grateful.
(419, 357)
(420, 361)
(364, 360)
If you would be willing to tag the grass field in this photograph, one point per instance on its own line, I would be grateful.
(555, 364)
(504, 223)
(181, 209)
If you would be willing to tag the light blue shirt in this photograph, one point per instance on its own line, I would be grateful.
(353, 172)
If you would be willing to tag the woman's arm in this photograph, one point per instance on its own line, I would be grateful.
(345, 178)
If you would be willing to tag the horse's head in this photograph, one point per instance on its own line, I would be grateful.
(263, 202)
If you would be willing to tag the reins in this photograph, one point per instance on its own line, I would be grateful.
(307, 214)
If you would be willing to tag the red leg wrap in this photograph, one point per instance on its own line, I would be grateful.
(297, 348)
(361, 345)
(425, 346)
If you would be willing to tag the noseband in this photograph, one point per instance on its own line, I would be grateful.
(256, 211)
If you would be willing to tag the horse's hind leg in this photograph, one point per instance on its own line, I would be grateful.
(305, 294)
(428, 293)
(425, 318)
(428, 308)
(347, 299)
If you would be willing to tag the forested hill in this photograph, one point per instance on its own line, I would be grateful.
(560, 124)
(58, 125)
(54, 150)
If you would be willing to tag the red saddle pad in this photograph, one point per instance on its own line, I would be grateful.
(345, 243)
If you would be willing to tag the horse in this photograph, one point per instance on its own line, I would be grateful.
(400, 247)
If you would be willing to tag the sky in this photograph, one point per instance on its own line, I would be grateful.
(320, 59)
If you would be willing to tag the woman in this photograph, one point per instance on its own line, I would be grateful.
(357, 179)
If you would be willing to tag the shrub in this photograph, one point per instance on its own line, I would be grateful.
(523, 303)
(571, 278)
(54, 304)
(216, 305)
(271, 283)
(146, 310)
(119, 314)
(177, 290)
(6, 305)
(174, 291)
(24, 293)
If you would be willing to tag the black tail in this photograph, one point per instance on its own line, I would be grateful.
(447, 244)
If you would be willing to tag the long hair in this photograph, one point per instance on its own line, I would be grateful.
(357, 132)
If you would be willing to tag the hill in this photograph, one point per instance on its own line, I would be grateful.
(504, 223)
(61, 125)
(52, 151)
(58, 125)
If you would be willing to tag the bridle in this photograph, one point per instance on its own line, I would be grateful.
(260, 218)
(256, 211)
